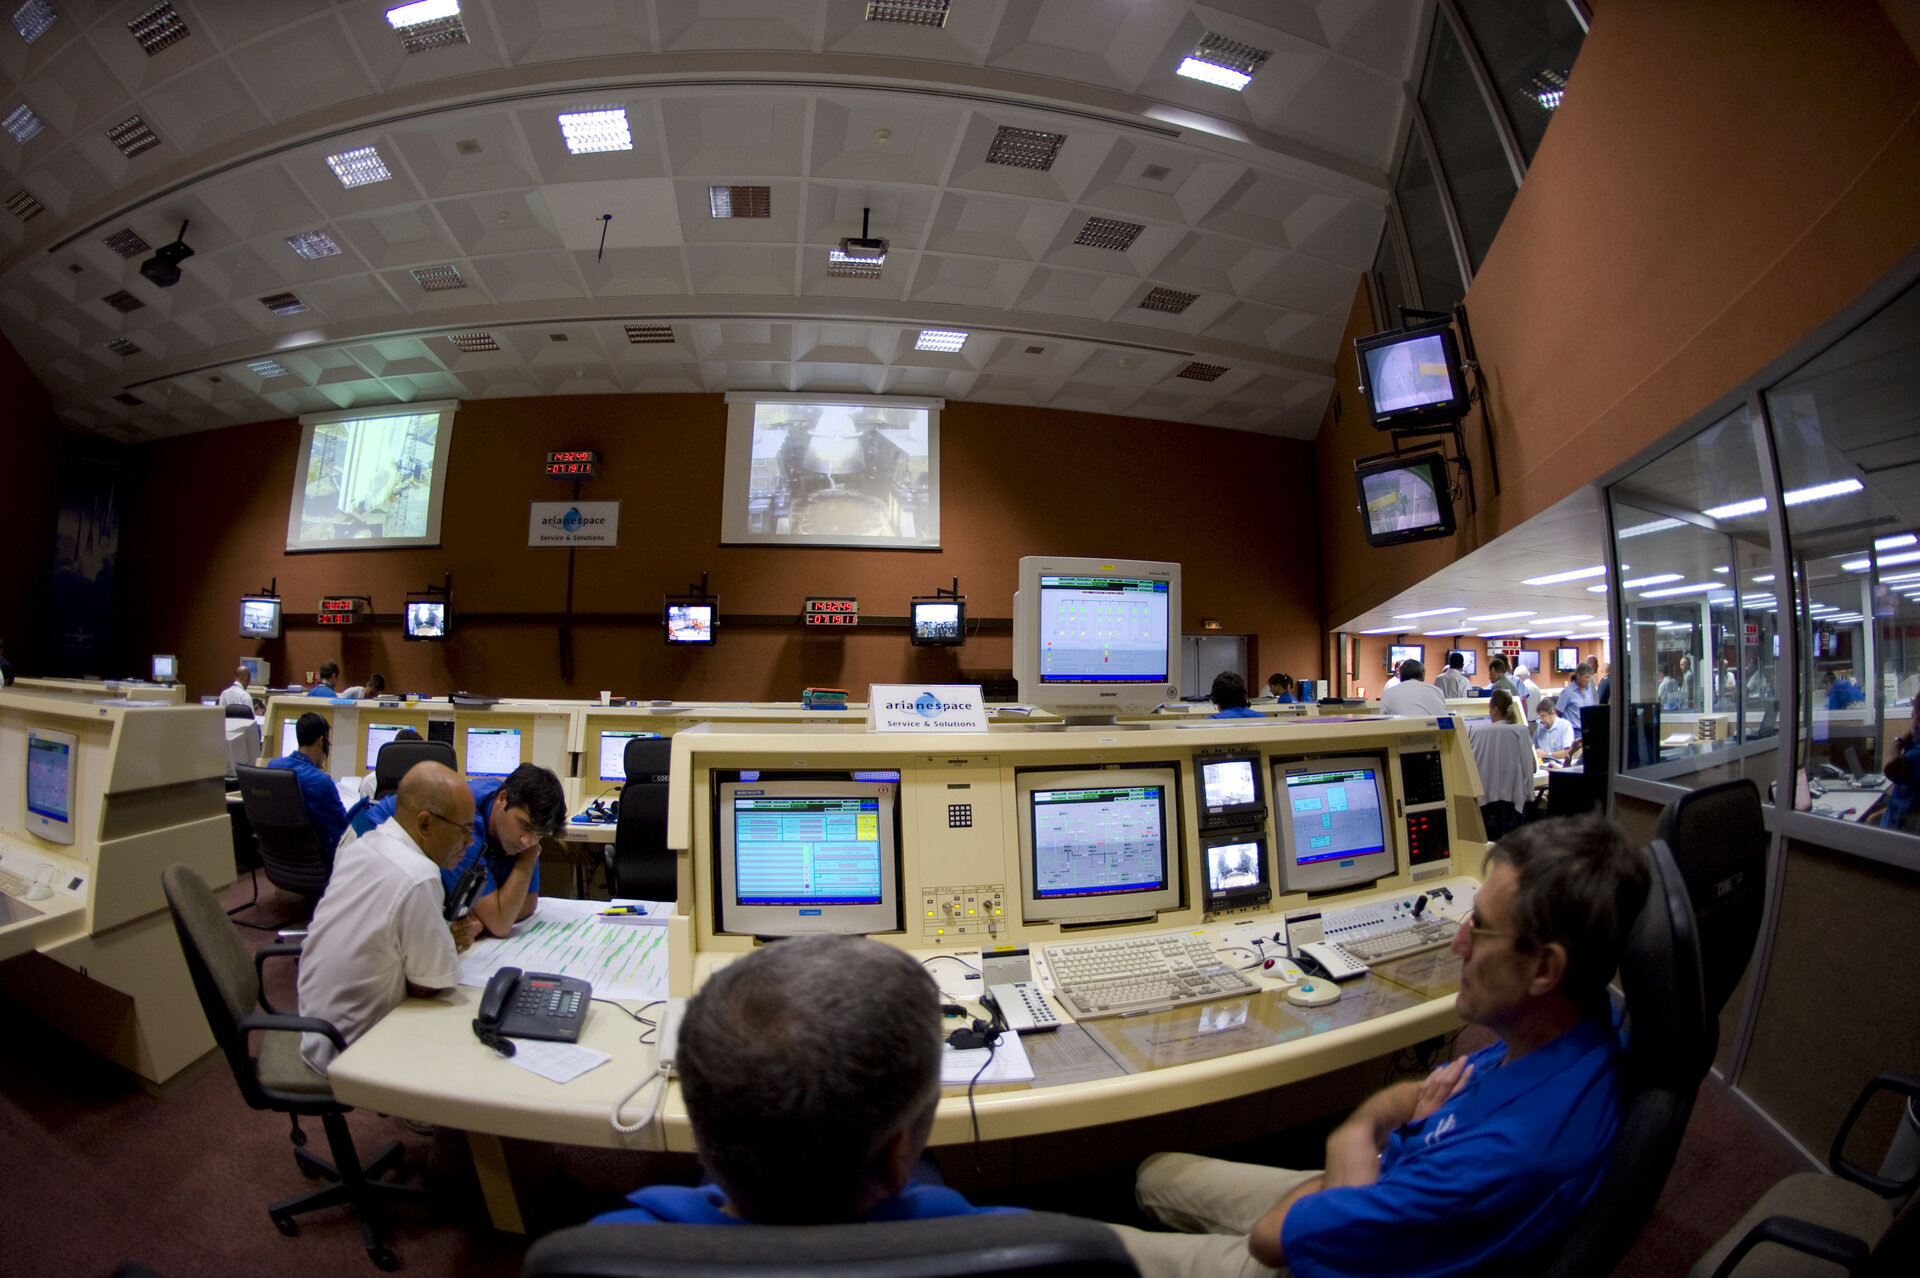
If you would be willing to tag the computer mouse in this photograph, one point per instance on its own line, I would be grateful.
(1314, 992)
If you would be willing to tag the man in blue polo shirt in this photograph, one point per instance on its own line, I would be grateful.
(313, 738)
(511, 815)
(1482, 1166)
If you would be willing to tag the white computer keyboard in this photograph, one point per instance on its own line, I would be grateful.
(12, 884)
(1398, 942)
(1140, 974)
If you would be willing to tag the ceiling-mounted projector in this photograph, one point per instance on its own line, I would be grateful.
(863, 249)
(163, 268)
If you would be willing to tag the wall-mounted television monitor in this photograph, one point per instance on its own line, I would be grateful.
(165, 667)
(1231, 790)
(807, 856)
(1093, 638)
(1411, 376)
(1530, 658)
(1405, 499)
(378, 735)
(1098, 847)
(1399, 652)
(428, 618)
(51, 759)
(1237, 876)
(690, 621)
(1469, 660)
(492, 752)
(259, 617)
(1566, 659)
(1333, 822)
(939, 623)
(613, 752)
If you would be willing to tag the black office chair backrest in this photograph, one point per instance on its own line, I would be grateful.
(1668, 1048)
(640, 865)
(1002, 1244)
(237, 711)
(1718, 836)
(290, 850)
(223, 973)
(398, 756)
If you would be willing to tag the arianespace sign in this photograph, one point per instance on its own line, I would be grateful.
(574, 523)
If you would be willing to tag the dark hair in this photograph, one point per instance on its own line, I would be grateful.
(1498, 665)
(311, 727)
(328, 669)
(1548, 704)
(1457, 660)
(798, 1063)
(1412, 671)
(1500, 701)
(1582, 883)
(1229, 691)
(536, 791)
(408, 734)
(376, 684)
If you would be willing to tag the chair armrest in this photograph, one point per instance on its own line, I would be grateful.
(1814, 1240)
(301, 1024)
(260, 958)
(1907, 1085)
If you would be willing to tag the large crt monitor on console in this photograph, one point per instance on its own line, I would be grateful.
(1332, 820)
(1098, 846)
(807, 856)
(1096, 637)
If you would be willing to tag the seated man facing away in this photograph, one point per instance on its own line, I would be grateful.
(1487, 1162)
(1229, 693)
(512, 816)
(1413, 697)
(811, 1069)
(313, 737)
(378, 934)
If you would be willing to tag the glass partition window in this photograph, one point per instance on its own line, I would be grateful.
(1529, 47)
(1478, 174)
(1436, 271)
(1843, 427)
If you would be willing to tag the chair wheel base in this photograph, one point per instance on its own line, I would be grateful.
(383, 1259)
(287, 1225)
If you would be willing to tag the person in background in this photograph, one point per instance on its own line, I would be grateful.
(235, 693)
(1687, 698)
(1844, 692)
(810, 1070)
(1413, 697)
(1503, 752)
(1502, 681)
(1230, 694)
(1452, 682)
(329, 680)
(371, 782)
(313, 736)
(1903, 775)
(1393, 679)
(1552, 735)
(1606, 685)
(1668, 691)
(373, 687)
(1280, 687)
(1577, 696)
(1529, 691)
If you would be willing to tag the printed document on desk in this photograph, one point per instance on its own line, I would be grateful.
(568, 938)
(1010, 1064)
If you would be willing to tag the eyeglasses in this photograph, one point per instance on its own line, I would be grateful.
(1478, 933)
(466, 831)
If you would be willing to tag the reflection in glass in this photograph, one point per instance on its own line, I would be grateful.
(1478, 175)
(1529, 47)
(1435, 268)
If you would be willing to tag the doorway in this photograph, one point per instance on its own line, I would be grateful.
(1204, 656)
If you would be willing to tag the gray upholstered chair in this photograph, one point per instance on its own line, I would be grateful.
(290, 851)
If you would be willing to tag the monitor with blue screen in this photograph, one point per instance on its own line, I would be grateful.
(1093, 638)
(1098, 846)
(807, 856)
(492, 752)
(1332, 822)
(378, 734)
(613, 753)
(50, 784)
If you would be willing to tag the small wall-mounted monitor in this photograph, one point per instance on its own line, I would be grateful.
(1405, 499)
(690, 621)
(51, 756)
(492, 752)
(1469, 660)
(428, 619)
(164, 667)
(1399, 652)
(1098, 847)
(1237, 875)
(1530, 658)
(613, 753)
(1411, 376)
(1333, 822)
(939, 623)
(1566, 660)
(378, 735)
(260, 617)
(807, 856)
(1231, 791)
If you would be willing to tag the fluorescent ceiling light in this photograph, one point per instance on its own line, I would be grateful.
(1495, 634)
(1641, 530)
(361, 166)
(1722, 568)
(940, 339)
(1792, 497)
(32, 19)
(1578, 574)
(1458, 630)
(22, 123)
(1669, 591)
(1500, 616)
(1886, 561)
(1386, 630)
(1894, 542)
(1598, 634)
(1555, 621)
(1763, 578)
(591, 132)
(428, 24)
(1431, 612)
(1600, 589)
(313, 244)
(1219, 60)
(1675, 625)
(1736, 509)
(1658, 579)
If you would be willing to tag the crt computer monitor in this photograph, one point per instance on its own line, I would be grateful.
(1332, 822)
(1231, 790)
(1412, 376)
(613, 752)
(1236, 869)
(1093, 638)
(259, 617)
(1099, 846)
(798, 856)
(164, 667)
(50, 773)
(1405, 499)
(378, 735)
(939, 623)
(427, 619)
(492, 752)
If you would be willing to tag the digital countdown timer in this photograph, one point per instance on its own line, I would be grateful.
(343, 610)
(831, 612)
(573, 465)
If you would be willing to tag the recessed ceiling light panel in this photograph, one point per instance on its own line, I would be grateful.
(1109, 233)
(842, 266)
(22, 123)
(32, 19)
(472, 343)
(650, 334)
(361, 166)
(123, 301)
(313, 244)
(1024, 148)
(591, 132)
(126, 243)
(438, 279)
(1223, 61)
(1202, 372)
(1170, 300)
(283, 304)
(23, 206)
(946, 340)
(157, 28)
(133, 136)
(121, 346)
(267, 368)
(912, 13)
(740, 201)
(428, 24)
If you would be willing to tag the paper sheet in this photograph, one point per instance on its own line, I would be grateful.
(567, 938)
(1010, 1064)
(561, 1062)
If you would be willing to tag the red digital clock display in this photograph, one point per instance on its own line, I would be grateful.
(342, 610)
(833, 605)
(573, 464)
(831, 612)
(833, 619)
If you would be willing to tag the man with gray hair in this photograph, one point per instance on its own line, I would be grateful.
(811, 1069)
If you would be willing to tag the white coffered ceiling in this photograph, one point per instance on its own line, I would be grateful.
(1265, 206)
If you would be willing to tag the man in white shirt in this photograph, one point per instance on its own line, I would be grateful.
(1529, 692)
(1453, 682)
(378, 934)
(1552, 735)
(1412, 697)
(235, 693)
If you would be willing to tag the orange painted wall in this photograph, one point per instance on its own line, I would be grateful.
(206, 523)
(1721, 178)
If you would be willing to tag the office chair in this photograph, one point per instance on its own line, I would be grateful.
(398, 756)
(1669, 1044)
(640, 865)
(1844, 1218)
(228, 984)
(239, 712)
(1005, 1245)
(1719, 840)
(290, 851)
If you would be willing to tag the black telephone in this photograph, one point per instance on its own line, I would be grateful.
(520, 1004)
(460, 901)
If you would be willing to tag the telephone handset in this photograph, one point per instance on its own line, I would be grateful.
(460, 900)
(520, 1004)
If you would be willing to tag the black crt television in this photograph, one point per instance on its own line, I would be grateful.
(1411, 376)
(428, 619)
(1469, 660)
(1399, 652)
(939, 623)
(259, 617)
(1566, 660)
(1405, 499)
(1530, 658)
(690, 621)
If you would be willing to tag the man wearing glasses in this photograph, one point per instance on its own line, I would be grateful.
(1488, 1161)
(378, 934)
(512, 815)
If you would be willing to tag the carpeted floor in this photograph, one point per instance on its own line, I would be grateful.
(98, 1173)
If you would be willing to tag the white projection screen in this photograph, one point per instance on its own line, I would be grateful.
(371, 478)
(832, 470)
